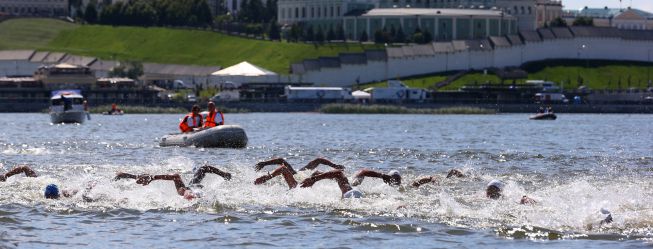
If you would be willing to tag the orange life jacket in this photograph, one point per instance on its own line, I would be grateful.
(189, 122)
(213, 119)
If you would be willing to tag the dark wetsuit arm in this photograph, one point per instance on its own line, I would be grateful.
(20, 169)
(179, 184)
(281, 170)
(423, 181)
(316, 162)
(123, 175)
(281, 161)
(336, 175)
(199, 175)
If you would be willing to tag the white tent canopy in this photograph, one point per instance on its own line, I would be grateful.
(361, 95)
(244, 69)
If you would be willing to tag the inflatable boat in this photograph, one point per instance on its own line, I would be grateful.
(543, 116)
(223, 136)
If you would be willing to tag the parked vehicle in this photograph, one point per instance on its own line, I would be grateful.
(396, 91)
(548, 98)
(547, 86)
(317, 93)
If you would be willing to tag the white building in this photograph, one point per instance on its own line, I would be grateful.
(34, 7)
(530, 14)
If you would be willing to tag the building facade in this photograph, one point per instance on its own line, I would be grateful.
(628, 18)
(34, 7)
(443, 24)
(527, 15)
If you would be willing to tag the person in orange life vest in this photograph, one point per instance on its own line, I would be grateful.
(214, 118)
(192, 120)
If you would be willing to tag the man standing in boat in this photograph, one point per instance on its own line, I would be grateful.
(192, 120)
(214, 118)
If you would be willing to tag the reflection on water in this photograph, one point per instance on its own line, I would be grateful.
(572, 167)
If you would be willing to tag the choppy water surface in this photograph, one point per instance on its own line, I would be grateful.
(572, 166)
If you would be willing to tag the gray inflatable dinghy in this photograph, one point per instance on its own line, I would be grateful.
(223, 136)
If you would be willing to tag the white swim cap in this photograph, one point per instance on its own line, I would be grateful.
(605, 211)
(496, 183)
(354, 193)
(393, 173)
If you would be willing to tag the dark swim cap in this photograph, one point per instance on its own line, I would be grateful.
(52, 191)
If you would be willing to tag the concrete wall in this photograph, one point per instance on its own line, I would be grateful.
(594, 48)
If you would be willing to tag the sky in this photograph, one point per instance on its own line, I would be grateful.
(646, 5)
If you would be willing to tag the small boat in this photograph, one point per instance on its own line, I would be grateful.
(543, 116)
(223, 136)
(118, 112)
(67, 106)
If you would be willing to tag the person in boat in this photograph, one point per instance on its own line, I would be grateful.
(434, 179)
(215, 116)
(192, 120)
(495, 188)
(188, 192)
(287, 171)
(549, 110)
(67, 103)
(18, 170)
(115, 109)
(541, 110)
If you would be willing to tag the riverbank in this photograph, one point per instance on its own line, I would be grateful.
(245, 107)
(396, 109)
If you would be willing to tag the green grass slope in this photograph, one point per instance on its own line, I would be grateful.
(161, 45)
(178, 46)
(30, 33)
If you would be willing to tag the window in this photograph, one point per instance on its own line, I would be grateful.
(331, 11)
(530, 11)
(312, 12)
(303, 12)
(296, 12)
(338, 10)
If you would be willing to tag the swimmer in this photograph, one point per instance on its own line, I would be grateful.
(286, 170)
(17, 170)
(310, 166)
(607, 219)
(434, 179)
(392, 178)
(339, 177)
(495, 188)
(182, 189)
(52, 192)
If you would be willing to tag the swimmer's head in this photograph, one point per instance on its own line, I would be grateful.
(455, 173)
(494, 188)
(51, 191)
(190, 194)
(395, 178)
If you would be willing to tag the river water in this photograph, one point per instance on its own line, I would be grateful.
(572, 167)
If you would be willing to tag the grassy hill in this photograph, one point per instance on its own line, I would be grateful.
(30, 33)
(162, 45)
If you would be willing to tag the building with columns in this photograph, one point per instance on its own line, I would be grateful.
(524, 15)
(443, 24)
(34, 7)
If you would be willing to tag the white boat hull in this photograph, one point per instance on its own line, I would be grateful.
(223, 136)
(68, 117)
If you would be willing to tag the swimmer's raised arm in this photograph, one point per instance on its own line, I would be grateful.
(455, 173)
(336, 175)
(201, 172)
(123, 175)
(316, 162)
(281, 170)
(179, 184)
(17, 170)
(281, 161)
(393, 178)
(424, 180)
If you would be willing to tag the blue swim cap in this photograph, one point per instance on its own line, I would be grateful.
(52, 191)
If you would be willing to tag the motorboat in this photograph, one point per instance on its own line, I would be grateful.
(543, 116)
(222, 136)
(67, 106)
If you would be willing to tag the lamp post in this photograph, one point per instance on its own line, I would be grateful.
(580, 49)
(386, 61)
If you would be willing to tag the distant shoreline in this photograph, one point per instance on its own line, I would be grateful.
(426, 108)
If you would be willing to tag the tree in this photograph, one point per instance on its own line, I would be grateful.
(428, 37)
(90, 14)
(363, 37)
(310, 34)
(270, 10)
(331, 35)
(243, 14)
(273, 31)
(340, 33)
(378, 36)
(319, 35)
(558, 22)
(129, 69)
(255, 12)
(400, 36)
(583, 21)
